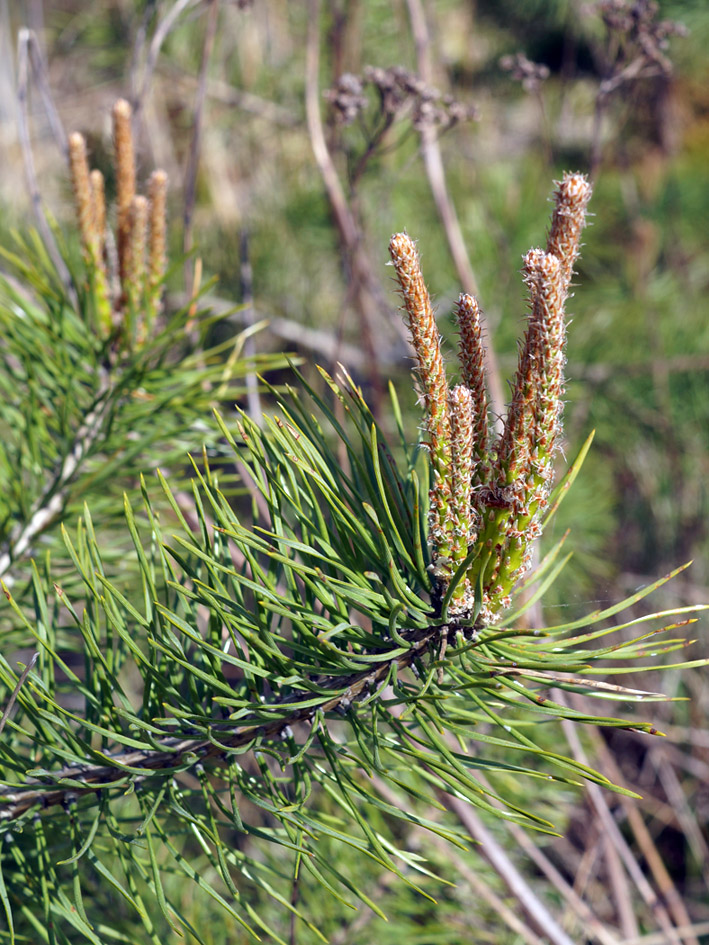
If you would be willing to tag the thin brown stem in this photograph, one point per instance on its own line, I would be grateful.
(610, 827)
(433, 163)
(39, 72)
(192, 168)
(24, 40)
(161, 33)
(359, 270)
(253, 399)
(532, 906)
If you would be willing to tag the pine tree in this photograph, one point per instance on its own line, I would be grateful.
(263, 706)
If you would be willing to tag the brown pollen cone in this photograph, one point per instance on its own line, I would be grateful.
(434, 385)
(125, 179)
(81, 184)
(157, 196)
(98, 208)
(568, 219)
(472, 360)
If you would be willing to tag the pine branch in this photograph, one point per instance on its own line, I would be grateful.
(339, 594)
(178, 753)
(84, 372)
(49, 505)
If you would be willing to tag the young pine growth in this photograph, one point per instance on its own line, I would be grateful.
(125, 272)
(488, 495)
(288, 688)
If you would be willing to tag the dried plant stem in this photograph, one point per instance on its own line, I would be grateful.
(190, 184)
(534, 909)
(362, 288)
(343, 217)
(24, 40)
(435, 171)
(161, 33)
(575, 903)
(40, 74)
(253, 399)
(321, 343)
(642, 834)
(612, 830)
(463, 870)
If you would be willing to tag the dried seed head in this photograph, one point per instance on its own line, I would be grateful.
(530, 74)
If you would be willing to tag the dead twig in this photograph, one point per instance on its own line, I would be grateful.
(162, 30)
(611, 829)
(25, 40)
(39, 71)
(535, 910)
(321, 343)
(361, 280)
(190, 185)
(433, 164)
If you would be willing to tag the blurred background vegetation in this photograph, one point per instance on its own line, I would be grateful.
(298, 136)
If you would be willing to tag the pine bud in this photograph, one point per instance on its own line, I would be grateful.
(463, 516)
(157, 195)
(431, 371)
(125, 178)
